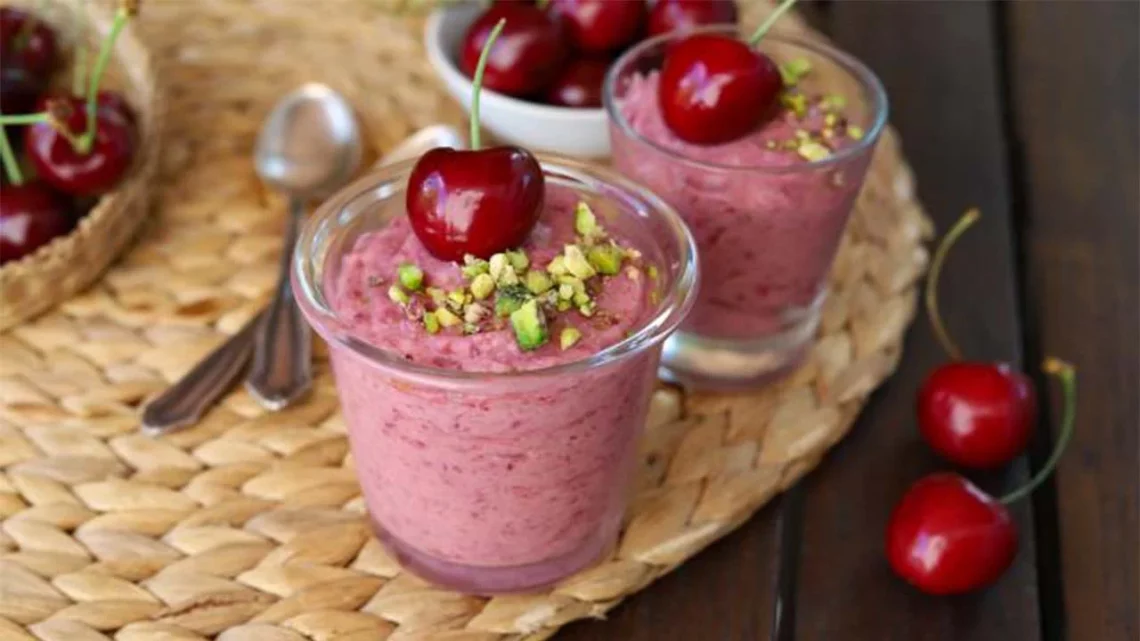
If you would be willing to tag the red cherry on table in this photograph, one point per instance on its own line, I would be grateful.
(60, 164)
(714, 89)
(579, 84)
(525, 58)
(678, 15)
(975, 414)
(28, 40)
(31, 215)
(474, 202)
(600, 26)
(947, 536)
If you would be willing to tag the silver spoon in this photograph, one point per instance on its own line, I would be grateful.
(186, 401)
(308, 147)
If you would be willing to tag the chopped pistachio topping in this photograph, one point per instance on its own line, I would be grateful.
(508, 277)
(831, 120)
(437, 295)
(797, 102)
(585, 222)
(813, 151)
(568, 337)
(563, 304)
(538, 282)
(446, 317)
(855, 132)
(431, 323)
(581, 298)
(456, 298)
(397, 295)
(509, 299)
(587, 309)
(606, 259)
(794, 70)
(557, 266)
(833, 102)
(482, 286)
(499, 266)
(474, 313)
(473, 266)
(410, 276)
(565, 291)
(651, 271)
(576, 262)
(529, 325)
(518, 260)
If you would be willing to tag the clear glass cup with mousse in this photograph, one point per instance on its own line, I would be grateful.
(514, 477)
(768, 211)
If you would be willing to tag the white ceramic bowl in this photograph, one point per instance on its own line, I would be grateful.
(582, 133)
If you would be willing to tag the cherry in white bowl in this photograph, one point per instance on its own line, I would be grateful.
(570, 131)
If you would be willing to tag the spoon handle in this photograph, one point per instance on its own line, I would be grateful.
(185, 401)
(282, 351)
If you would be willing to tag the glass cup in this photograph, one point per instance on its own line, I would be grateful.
(496, 482)
(767, 231)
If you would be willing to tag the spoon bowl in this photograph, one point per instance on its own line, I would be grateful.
(310, 143)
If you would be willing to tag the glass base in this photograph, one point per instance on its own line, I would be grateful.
(491, 580)
(714, 364)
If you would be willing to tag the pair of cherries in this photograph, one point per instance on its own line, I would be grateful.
(946, 536)
(79, 147)
(559, 51)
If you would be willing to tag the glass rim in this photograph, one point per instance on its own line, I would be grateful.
(675, 304)
(849, 63)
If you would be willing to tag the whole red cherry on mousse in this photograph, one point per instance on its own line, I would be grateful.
(62, 158)
(28, 41)
(579, 84)
(973, 414)
(946, 536)
(526, 57)
(716, 88)
(600, 26)
(677, 15)
(478, 202)
(31, 215)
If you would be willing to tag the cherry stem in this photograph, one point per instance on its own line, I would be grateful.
(1068, 377)
(25, 119)
(477, 83)
(11, 167)
(762, 30)
(122, 16)
(936, 324)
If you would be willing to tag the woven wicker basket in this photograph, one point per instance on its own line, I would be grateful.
(70, 263)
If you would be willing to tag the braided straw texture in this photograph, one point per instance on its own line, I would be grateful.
(249, 525)
(67, 265)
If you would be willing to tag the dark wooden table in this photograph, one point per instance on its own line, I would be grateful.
(1028, 110)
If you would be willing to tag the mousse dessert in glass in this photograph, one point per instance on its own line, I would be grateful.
(764, 170)
(495, 325)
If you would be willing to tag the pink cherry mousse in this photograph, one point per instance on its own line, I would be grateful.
(495, 325)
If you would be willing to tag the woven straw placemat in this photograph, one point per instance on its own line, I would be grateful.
(249, 526)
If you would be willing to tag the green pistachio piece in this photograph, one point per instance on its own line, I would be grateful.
(794, 70)
(813, 151)
(499, 266)
(575, 284)
(587, 309)
(410, 276)
(831, 120)
(577, 264)
(565, 291)
(568, 337)
(651, 271)
(585, 222)
(529, 325)
(518, 260)
(605, 258)
(538, 282)
(581, 299)
(431, 323)
(473, 269)
(446, 317)
(509, 299)
(437, 295)
(855, 132)
(557, 266)
(482, 286)
(474, 313)
(456, 298)
(796, 102)
(833, 102)
(563, 304)
(397, 295)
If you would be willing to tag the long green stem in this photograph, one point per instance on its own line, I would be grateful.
(122, 16)
(762, 30)
(1068, 377)
(477, 82)
(11, 167)
(936, 324)
(25, 119)
(79, 71)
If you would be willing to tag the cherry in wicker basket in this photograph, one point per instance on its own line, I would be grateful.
(70, 263)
